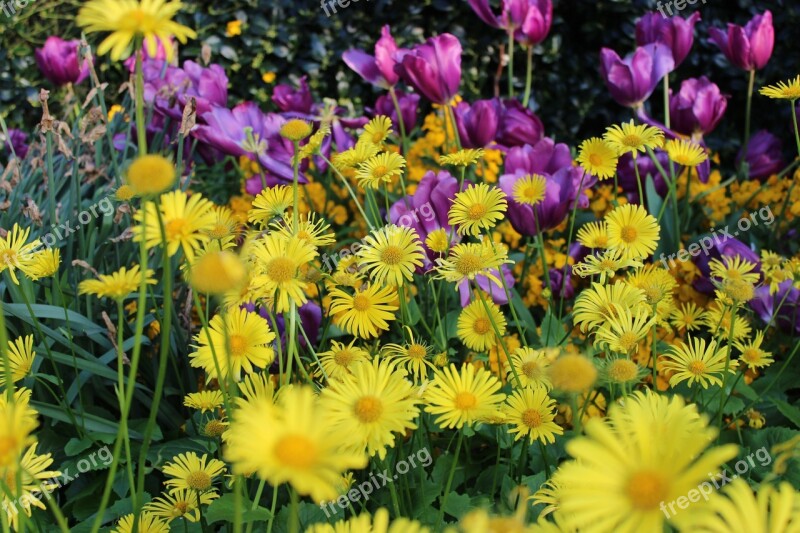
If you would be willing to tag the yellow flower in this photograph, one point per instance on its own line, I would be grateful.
(572, 373)
(379, 169)
(33, 478)
(530, 190)
(412, 356)
(467, 260)
(217, 273)
(597, 304)
(147, 523)
(14, 253)
(277, 269)
(651, 452)
(632, 138)
(187, 222)
(718, 321)
(364, 523)
(257, 387)
(476, 326)
(530, 366)
(438, 241)
(17, 422)
(621, 371)
(190, 471)
(365, 313)
(477, 208)
(181, 504)
(371, 405)
(117, 285)
(226, 226)
(268, 77)
(249, 338)
(462, 158)
(622, 333)
(598, 157)
(687, 317)
(20, 360)
(696, 362)
(605, 265)
(203, 401)
(295, 130)
(685, 153)
(341, 359)
(233, 28)
(293, 441)
(43, 264)
(377, 131)
(270, 203)
(391, 255)
(150, 174)
(462, 397)
(734, 268)
(752, 355)
(150, 20)
(530, 413)
(783, 90)
(594, 235)
(633, 230)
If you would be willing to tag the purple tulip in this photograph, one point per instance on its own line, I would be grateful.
(426, 211)
(748, 48)
(310, 319)
(494, 289)
(632, 80)
(518, 125)
(530, 20)
(17, 142)
(207, 85)
(722, 246)
(787, 303)
(432, 68)
(477, 123)
(674, 32)
(59, 61)
(227, 131)
(291, 99)
(764, 155)
(697, 108)
(562, 285)
(627, 174)
(409, 103)
(545, 157)
(378, 69)
(560, 194)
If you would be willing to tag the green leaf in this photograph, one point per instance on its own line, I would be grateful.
(457, 505)
(788, 410)
(552, 330)
(224, 509)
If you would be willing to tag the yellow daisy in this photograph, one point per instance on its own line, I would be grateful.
(371, 405)
(783, 90)
(365, 313)
(207, 400)
(277, 269)
(15, 253)
(270, 203)
(598, 157)
(257, 386)
(478, 328)
(380, 169)
(117, 285)
(595, 305)
(147, 523)
(341, 359)
(477, 208)
(621, 371)
(43, 264)
(718, 322)
(20, 359)
(127, 20)
(530, 190)
(734, 268)
(463, 397)
(467, 260)
(315, 232)
(632, 138)
(391, 255)
(438, 241)
(150, 174)
(594, 235)
(187, 222)
(377, 131)
(572, 373)
(183, 503)
(188, 471)
(752, 355)
(226, 226)
(463, 158)
(530, 366)
(696, 361)
(685, 153)
(687, 317)
(605, 266)
(355, 156)
(293, 441)
(33, 477)
(622, 333)
(412, 356)
(633, 230)
(249, 338)
(531, 412)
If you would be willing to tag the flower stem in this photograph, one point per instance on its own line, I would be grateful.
(141, 127)
(511, 64)
(750, 86)
(528, 78)
(450, 477)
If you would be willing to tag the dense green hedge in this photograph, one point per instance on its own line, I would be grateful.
(292, 38)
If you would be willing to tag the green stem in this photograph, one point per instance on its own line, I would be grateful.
(450, 477)
(51, 178)
(141, 126)
(665, 81)
(750, 86)
(294, 515)
(727, 367)
(511, 64)
(528, 78)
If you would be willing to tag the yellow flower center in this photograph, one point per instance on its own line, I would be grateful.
(465, 400)
(8, 257)
(468, 264)
(296, 451)
(377, 137)
(595, 159)
(627, 341)
(601, 241)
(646, 490)
(215, 428)
(476, 211)
(628, 234)
(219, 231)
(697, 367)
(417, 351)
(653, 294)
(281, 270)
(632, 140)
(368, 409)
(8, 445)
(532, 418)
(238, 345)
(531, 369)
(622, 370)
(180, 509)
(752, 355)
(607, 264)
(176, 229)
(392, 255)
(481, 326)
(379, 172)
(344, 358)
(199, 480)
(361, 303)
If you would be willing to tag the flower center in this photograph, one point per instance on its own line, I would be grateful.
(697, 367)
(627, 341)
(532, 418)
(595, 159)
(198, 480)
(368, 409)
(752, 355)
(280, 270)
(344, 358)
(632, 140)
(417, 351)
(379, 171)
(361, 303)
(296, 451)
(530, 369)
(628, 234)
(180, 509)
(392, 255)
(622, 370)
(481, 326)
(7, 446)
(8, 257)
(238, 345)
(377, 137)
(476, 211)
(468, 264)
(219, 231)
(646, 490)
(465, 400)
(176, 229)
